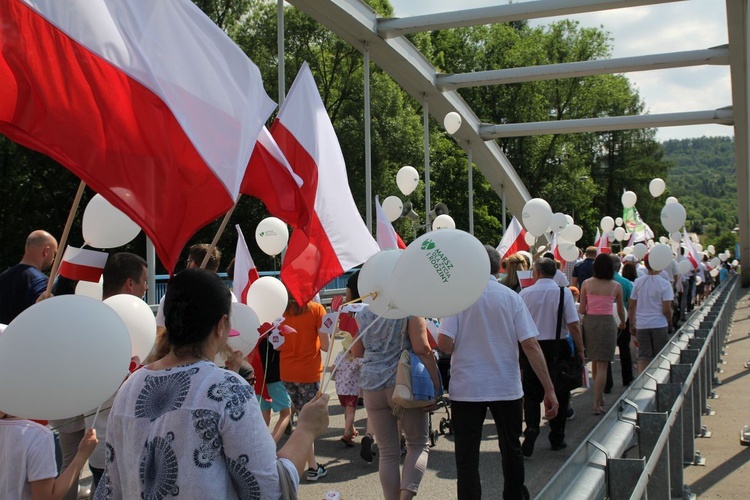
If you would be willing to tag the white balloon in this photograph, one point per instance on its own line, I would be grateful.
(443, 221)
(572, 233)
(714, 272)
(698, 247)
(569, 219)
(393, 206)
(698, 280)
(62, 357)
(105, 226)
(439, 274)
(629, 199)
(375, 276)
(272, 235)
(619, 233)
(715, 262)
(723, 257)
(558, 222)
(568, 251)
(452, 122)
(627, 250)
(407, 179)
(671, 199)
(684, 266)
(607, 224)
(90, 289)
(673, 217)
(660, 257)
(618, 221)
(711, 249)
(640, 250)
(656, 187)
(676, 236)
(735, 263)
(138, 319)
(536, 216)
(268, 298)
(529, 238)
(246, 322)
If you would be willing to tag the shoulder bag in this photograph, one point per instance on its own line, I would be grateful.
(566, 373)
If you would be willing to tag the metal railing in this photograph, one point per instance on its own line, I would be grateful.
(641, 445)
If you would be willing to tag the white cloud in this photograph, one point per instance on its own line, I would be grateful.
(670, 27)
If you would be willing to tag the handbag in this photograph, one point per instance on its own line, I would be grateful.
(566, 373)
(414, 387)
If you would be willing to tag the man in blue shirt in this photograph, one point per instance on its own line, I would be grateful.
(22, 284)
(584, 269)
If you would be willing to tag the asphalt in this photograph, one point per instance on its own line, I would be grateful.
(724, 476)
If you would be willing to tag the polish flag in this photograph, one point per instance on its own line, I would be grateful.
(513, 239)
(602, 243)
(150, 103)
(387, 237)
(83, 265)
(270, 178)
(245, 272)
(692, 253)
(336, 239)
(554, 248)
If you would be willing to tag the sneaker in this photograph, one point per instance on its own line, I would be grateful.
(527, 448)
(365, 450)
(570, 414)
(314, 475)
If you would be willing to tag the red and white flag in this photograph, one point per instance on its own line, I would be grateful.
(83, 265)
(555, 249)
(602, 243)
(386, 236)
(690, 250)
(150, 103)
(245, 272)
(336, 239)
(270, 178)
(513, 239)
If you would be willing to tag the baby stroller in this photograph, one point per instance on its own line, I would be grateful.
(445, 426)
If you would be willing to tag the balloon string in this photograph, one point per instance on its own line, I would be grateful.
(96, 415)
(343, 356)
(71, 422)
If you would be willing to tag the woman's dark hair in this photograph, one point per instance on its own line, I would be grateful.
(629, 271)
(604, 268)
(196, 300)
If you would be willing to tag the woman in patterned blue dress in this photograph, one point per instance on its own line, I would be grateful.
(182, 426)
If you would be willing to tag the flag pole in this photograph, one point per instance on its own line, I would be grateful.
(64, 239)
(218, 235)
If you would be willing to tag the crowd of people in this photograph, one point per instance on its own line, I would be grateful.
(181, 424)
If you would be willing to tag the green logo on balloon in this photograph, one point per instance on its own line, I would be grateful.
(428, 245)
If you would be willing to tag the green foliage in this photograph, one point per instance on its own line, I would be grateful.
(703, 178)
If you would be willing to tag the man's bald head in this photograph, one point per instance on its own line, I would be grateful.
(40, 250)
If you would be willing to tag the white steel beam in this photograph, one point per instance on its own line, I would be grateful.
(718, 116)
(389, 28)
(712, 56)
(737, 23)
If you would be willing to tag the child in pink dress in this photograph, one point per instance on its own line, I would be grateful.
(347, 389)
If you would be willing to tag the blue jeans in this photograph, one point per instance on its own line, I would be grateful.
(467, 422)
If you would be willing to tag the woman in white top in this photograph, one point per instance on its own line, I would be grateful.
(183, 426)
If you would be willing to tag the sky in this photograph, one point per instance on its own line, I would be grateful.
(664, 28)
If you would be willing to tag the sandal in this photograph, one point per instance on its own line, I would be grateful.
(598, 411)
(348, 440)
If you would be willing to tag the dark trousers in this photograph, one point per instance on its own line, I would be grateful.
(626, 361)
(534, 393)
(467, 423)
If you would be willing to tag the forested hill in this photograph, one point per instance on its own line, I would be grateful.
(702, 177)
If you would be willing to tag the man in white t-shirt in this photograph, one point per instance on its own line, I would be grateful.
(650, 313)
(483, 341)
